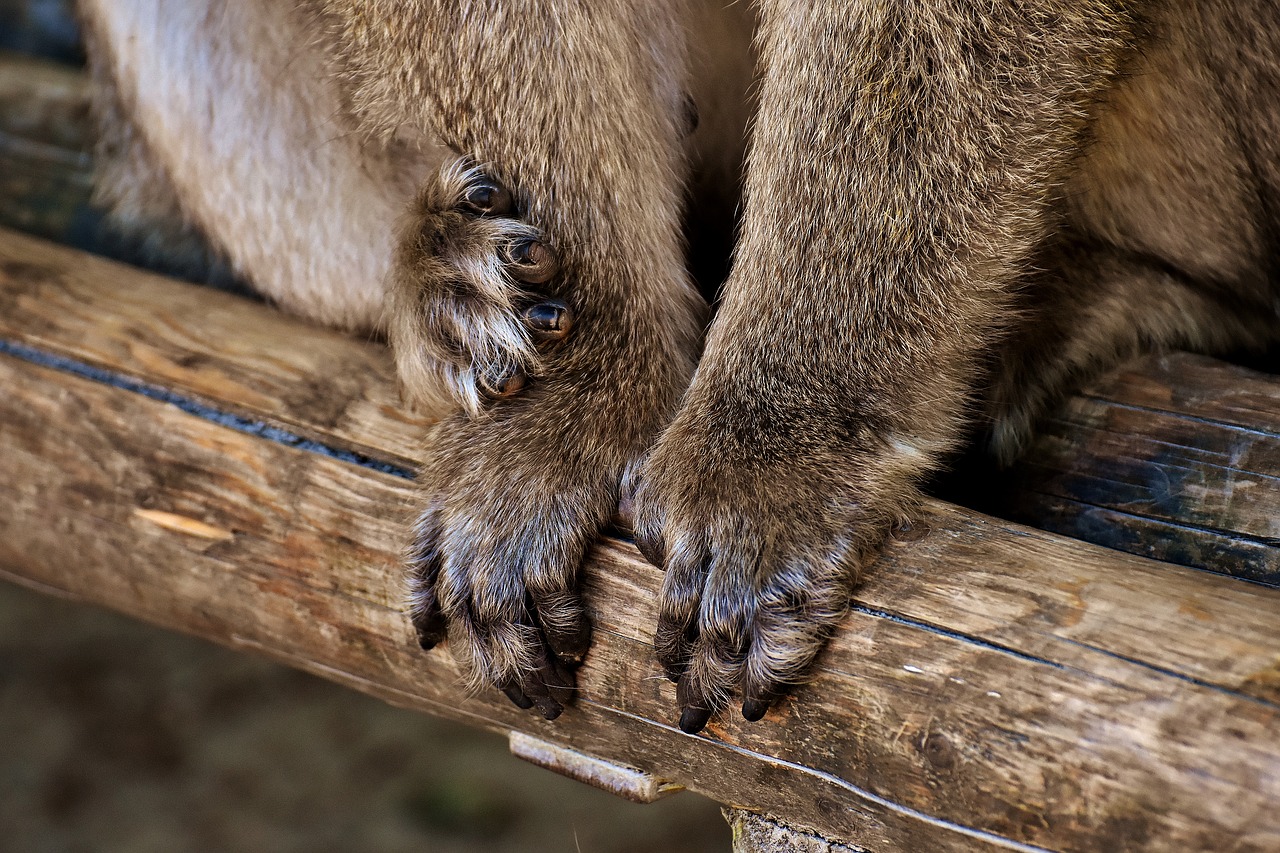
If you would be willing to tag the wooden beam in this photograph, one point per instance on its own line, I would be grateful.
(47, 173)
(1174, 457)
(1167, 459)
(207, 464)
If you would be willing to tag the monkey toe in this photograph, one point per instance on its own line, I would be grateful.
(475, 313)
(485, 196)
(531, 261)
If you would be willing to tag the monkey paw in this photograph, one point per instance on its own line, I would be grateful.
(469, 320)
(761, 546)
(496, 555)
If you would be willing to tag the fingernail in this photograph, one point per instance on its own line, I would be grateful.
(488, 199)
(550, 320)
(693, 719)
(501, 382)
(532, 261)
(517, 697)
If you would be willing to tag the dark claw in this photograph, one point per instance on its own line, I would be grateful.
(549, 687)
(517, 697)
(694, 719)
(754, 709)
(560, 682)
(549, 321)
(535, 689)
(532, 262)
(488, 198)
(694, 713)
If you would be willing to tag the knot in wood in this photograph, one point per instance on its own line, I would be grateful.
(938, 751)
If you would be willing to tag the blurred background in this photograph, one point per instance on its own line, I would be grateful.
(116, 736)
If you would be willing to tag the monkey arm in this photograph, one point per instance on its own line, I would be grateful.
(898, 178)
(578, 110)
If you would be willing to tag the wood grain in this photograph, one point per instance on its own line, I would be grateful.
(1175, 457)
(995, 687)
(46, 172)
(216, 347)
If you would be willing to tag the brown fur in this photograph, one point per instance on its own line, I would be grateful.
(950, 207)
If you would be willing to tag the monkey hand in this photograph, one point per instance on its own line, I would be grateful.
(513, 500)
(761, 524)
(521, 481)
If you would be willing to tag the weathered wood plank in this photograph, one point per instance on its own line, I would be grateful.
(216, 347)
(992, 683)
(1208, 507)
(1175, 457)
(46, 172)
(755, 833)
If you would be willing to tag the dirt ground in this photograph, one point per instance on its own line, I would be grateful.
(117, 736)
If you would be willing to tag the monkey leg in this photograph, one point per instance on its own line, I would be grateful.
(578, 111)
(896, 183)
(1093, 306)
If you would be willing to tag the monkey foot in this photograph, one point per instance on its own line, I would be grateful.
(473, 309)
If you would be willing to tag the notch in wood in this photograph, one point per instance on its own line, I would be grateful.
(626, 782)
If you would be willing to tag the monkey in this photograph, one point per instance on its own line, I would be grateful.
(951, 214)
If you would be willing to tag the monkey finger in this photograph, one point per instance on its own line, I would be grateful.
(756, 701)
(424, 564)
(795, 616)
(564, 623)
(549, 687)
(682, 588)
(516, 695)
(562, 683)
(429, 624)
(695, 708)
(673, 643)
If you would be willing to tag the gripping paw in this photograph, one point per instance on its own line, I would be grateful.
(495, 563)
(471, 314)
(759, 558)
